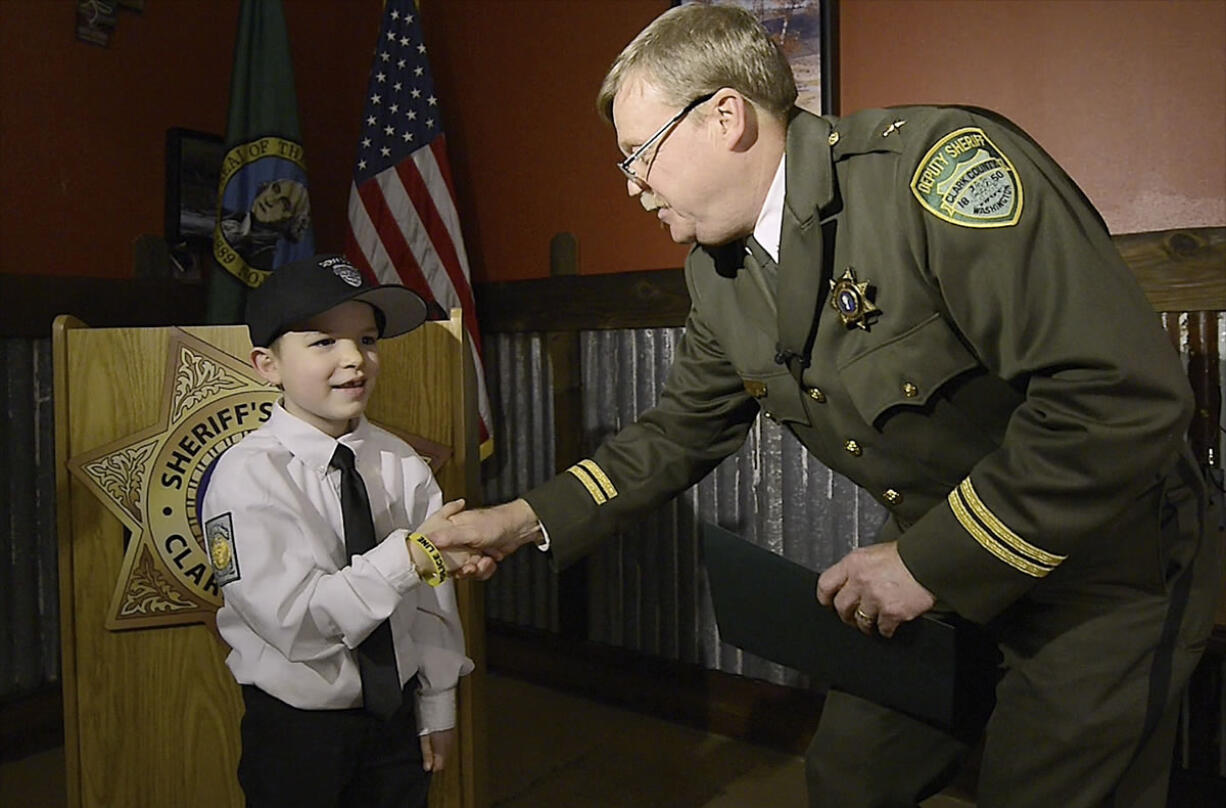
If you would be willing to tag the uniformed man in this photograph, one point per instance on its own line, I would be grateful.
(934, 309)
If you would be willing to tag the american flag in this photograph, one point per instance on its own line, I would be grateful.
(403, 225)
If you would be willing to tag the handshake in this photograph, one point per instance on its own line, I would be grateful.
(472, 543)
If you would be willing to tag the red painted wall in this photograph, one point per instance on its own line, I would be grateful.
(1129, 96)
(82, 127)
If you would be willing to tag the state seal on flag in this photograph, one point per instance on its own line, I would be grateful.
(265, 216)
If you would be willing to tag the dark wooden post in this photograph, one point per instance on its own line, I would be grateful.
(563, 347)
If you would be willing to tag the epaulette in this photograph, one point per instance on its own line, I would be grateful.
(872, 130)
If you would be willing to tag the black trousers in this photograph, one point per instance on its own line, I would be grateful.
(329, 758)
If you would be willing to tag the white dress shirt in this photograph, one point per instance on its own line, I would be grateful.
(769, 227)
(298, 606)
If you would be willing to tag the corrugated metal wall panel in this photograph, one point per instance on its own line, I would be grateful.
(648, 589)
(29, 595)
(524, 592)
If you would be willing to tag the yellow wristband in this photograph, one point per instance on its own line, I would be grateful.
(440, 568)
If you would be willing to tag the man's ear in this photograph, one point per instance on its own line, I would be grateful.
(736, 119)
(266, 364)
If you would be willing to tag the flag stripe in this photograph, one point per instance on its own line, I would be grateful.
(403, 222)
(362, 244)
(431, 218)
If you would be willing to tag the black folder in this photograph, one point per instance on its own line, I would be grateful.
(938, 669)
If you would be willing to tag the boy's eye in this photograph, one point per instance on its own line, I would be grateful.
(323, 342)
(369, 340)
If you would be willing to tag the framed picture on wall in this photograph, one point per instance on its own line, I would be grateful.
(193, 168)
(806, 30)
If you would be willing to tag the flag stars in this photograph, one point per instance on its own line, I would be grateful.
(421, 48)
(389, 130)
(400, 64)
(391, 35)
(396, 15)
(430, 123)
(365, 143)
(416, 93)
(370, 120)
(376, 99)
(385, 151)
(417, 71)
(404, 41)
(383, 56)
(407, 136)
(412, 114)
(397, 86)
(381, 77)
(432, 101)
(361, 165)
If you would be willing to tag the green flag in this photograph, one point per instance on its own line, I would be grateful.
(264, 212)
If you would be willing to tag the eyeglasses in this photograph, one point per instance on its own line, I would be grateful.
(626, 166)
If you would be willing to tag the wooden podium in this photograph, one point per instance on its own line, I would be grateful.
(151, 713)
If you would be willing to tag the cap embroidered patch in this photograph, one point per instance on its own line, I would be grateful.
(965, 180)
(343, 270)
(219, 539)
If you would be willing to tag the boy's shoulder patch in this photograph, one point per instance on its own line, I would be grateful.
(964, 179)
(219, 539)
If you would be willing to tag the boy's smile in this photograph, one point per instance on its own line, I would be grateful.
(326, 367)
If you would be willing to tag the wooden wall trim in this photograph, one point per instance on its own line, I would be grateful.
(649, 299)
(1179, 270)
(29, 303)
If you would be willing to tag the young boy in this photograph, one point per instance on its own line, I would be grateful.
(346, 642)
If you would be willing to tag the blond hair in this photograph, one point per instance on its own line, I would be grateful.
(692, 50)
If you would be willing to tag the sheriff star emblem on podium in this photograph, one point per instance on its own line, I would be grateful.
(850, 298)
(153, 482)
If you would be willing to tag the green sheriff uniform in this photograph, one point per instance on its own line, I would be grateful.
(951, 327)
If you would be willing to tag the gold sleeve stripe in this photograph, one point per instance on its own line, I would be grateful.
(599, 476)
(1002, 531)
(989, 543)
(582, 476)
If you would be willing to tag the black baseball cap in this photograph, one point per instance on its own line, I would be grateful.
(308, 287)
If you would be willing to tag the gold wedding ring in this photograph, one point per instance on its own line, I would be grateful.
(864, 618)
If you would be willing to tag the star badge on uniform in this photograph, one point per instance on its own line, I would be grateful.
(850, 298)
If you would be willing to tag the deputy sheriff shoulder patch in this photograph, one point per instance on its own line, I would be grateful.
(965, 180)
(219, 540)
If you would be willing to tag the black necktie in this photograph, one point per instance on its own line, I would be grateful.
(376, 655)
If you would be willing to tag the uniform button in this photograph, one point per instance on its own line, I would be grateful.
(817, 395)
(891, 496)
(910, 390)
(769, 415)
(853, 448)
(833, 139)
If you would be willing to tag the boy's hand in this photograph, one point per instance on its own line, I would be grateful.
(436, 749)
(460, 561)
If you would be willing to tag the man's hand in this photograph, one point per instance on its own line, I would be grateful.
(871, 586)
(497, 532)
(436, 748)
(460, 561)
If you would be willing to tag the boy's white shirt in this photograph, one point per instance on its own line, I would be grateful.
(298, 606)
